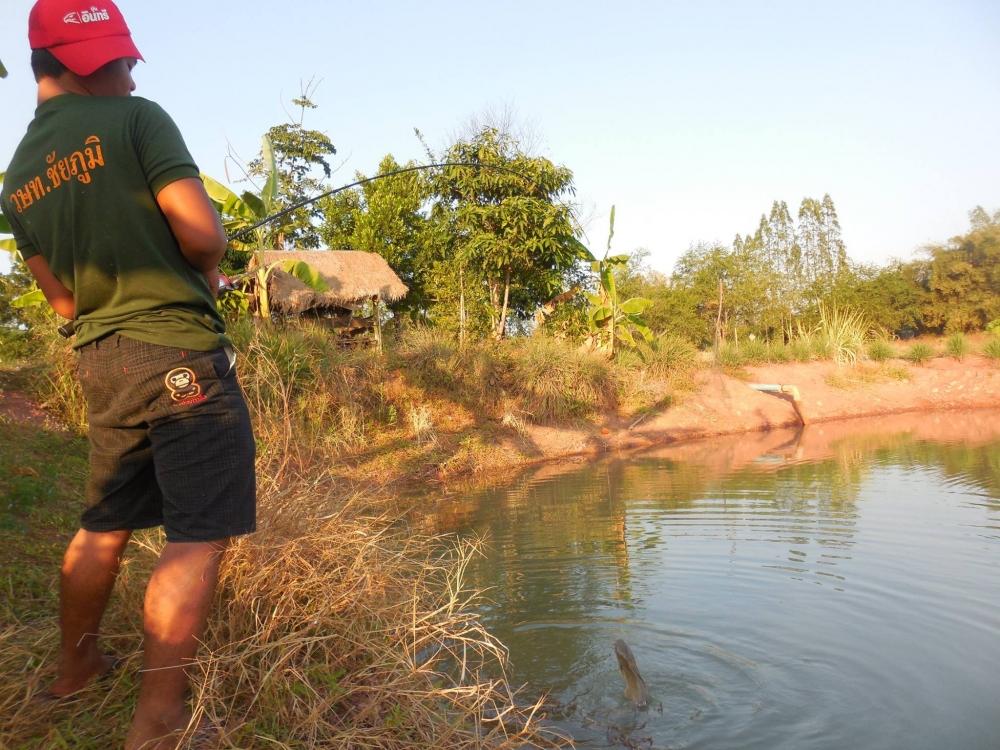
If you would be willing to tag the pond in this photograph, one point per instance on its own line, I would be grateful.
(834, 587)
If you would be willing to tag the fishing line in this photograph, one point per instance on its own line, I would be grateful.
(242, 233)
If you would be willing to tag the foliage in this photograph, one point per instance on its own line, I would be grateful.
(539, 376)
(669, 354)
(611, 320)
(241, 212)
(387, 217)
(558, 381)
(962, 278)
(919, 353)
(879, 350)
(502, 225)
(992, 349)
(844, 332)
(300, 155)
(957, 346)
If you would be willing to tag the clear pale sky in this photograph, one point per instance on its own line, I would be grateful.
(690, 117)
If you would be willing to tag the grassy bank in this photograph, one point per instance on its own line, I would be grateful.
(335, 626)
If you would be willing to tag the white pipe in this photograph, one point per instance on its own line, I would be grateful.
(788, 390)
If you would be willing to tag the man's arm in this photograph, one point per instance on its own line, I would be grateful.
(55, 293)
(194, 222)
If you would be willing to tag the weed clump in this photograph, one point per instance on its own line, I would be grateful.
(957, 346)
(919, 353)
(992, 349)
(880, 350)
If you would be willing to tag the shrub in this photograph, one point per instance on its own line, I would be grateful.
(992, 349)
(880, 350)
(15, 344)
(919, 353)
(801, 349)
(555, 380)
(844, 332)
(730, 355)
(957, 346)
(754, 351)
(670, 354)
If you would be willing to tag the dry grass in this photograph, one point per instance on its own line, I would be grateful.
(335, 625)
(861, 375)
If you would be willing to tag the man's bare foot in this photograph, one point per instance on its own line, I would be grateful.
(75, 675)
(157, 729)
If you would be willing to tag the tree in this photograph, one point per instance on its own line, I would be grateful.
(387, 217)
(504, 227)
(300, 154)
(963, 279)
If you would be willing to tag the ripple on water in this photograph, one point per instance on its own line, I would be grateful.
(808, 606)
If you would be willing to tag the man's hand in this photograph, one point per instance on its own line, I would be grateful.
(55, 293)
(212, 277)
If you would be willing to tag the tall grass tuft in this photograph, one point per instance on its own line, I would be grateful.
(670, 355)
(879, 350)
(957, 346)
(992, 349)
(843, 331)
(556, 380)
(919, 353)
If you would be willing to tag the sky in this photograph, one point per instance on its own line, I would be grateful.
(690, 118)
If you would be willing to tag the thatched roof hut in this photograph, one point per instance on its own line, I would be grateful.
(352, 277)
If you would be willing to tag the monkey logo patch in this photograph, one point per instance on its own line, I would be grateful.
(183, 386)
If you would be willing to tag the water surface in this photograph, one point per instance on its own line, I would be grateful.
(837, 587)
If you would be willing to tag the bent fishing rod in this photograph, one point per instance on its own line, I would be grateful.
(68, 329)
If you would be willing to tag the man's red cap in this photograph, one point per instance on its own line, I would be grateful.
(82, 36)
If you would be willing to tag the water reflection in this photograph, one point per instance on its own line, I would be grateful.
(824, 588)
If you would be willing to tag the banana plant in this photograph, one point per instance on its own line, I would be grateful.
(240, 212)
(6, 244)
(34, 296)
(609, 319)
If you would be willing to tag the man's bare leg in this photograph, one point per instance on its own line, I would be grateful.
(178, 599)
(90, 567)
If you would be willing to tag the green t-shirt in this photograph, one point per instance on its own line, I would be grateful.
(81, 191)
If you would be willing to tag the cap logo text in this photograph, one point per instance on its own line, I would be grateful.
(88, 16)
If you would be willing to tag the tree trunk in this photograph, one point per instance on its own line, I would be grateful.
(501, 329)
(461, 307)
(718, 323)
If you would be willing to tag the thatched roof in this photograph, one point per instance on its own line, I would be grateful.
(351, 276)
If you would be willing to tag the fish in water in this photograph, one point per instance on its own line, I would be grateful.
(635, 687)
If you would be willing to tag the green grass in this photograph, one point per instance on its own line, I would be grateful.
(992, 349)
(41, 484)
(957, 346)
(919, 353)
(880, 350)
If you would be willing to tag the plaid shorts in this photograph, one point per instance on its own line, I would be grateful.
(170, 441)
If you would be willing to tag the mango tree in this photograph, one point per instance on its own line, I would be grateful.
(505, 233)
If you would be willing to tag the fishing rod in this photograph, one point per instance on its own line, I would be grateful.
(308, 201)
(68, 329)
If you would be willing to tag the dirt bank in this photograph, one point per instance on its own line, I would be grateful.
(472, 445)
(725, 404)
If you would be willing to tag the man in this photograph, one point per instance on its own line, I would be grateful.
(112, 220)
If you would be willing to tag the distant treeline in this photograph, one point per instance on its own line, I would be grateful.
(775, 281)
